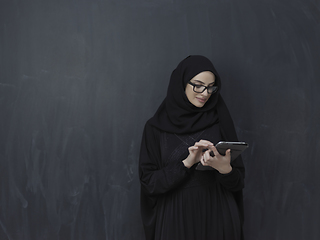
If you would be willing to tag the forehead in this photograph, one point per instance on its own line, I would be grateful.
(206, 77)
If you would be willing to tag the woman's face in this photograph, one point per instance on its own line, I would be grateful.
(206, 79)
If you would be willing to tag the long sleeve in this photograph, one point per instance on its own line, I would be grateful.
(155, 177)
(233, 181)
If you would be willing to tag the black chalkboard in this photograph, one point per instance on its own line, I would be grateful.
(78, 80)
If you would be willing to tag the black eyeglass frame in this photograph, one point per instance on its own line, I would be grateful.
(215, 88)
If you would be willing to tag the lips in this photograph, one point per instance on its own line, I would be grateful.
(202, 100)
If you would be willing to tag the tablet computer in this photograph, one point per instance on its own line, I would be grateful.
(236, 149)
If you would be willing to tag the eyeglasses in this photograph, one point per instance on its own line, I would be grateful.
(200, 88)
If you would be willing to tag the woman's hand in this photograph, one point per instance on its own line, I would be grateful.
(196, 152)
(218, 162)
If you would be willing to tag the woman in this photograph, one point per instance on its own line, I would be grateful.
(177, 200)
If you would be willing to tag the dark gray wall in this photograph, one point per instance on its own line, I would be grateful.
(79, 78)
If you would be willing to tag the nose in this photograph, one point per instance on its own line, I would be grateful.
(205, 93)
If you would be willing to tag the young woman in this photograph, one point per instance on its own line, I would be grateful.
(179, 202)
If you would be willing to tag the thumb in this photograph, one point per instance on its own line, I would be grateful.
(228, 153)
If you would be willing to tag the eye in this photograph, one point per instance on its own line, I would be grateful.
(212, 89)
(200, 87)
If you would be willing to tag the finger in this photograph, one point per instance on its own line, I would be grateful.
(214, 150)
(202, 144)
(207, 155)
(193, 148)
(206, 142)
(203, 162)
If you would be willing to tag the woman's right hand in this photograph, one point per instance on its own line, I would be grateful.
(196, 152)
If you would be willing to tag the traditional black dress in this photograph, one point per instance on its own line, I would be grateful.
(178, 203)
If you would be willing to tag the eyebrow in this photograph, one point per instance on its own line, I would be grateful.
(204, 83)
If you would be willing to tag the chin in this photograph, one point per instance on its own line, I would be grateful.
(199, 105)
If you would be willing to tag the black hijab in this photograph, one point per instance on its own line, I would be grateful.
(176, 114)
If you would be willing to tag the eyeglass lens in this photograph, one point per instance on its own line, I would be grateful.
(201, 89)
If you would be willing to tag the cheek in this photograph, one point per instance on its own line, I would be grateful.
(189, 93)
(189, 90)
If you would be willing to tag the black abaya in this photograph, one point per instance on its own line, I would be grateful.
(189, 204)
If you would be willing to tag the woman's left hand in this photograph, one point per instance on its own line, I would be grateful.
(218, 162)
